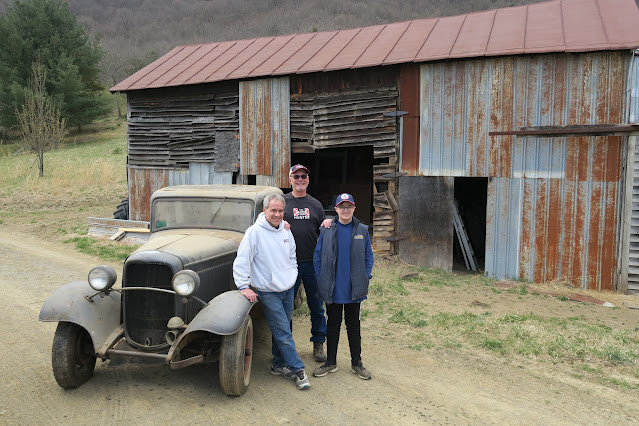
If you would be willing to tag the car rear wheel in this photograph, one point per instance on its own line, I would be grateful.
(72, 355)
(236, 359)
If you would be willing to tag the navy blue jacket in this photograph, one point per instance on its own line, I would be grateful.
(325, 258)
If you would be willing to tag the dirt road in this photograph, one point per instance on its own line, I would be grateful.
(409, 387)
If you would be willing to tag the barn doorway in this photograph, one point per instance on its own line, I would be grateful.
(471, 196)
(337, 170)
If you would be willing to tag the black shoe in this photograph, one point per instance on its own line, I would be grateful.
(318, 352)
(361, 371)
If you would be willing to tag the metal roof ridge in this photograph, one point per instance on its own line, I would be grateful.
(300, 48)
(603, 23)
(335, 32)
(452, 46)
(492, 26)
(371, 43)
(199, 46)
(398, 39)
(230, 59)
(292, 36)
(563, 26)
(178, 48)
(359, 30)
(231, 44)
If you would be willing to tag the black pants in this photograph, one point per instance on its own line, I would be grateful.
(333, 326)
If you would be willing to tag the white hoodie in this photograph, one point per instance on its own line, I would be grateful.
(266, 258)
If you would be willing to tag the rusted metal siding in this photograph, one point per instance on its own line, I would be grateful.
(553, 229)
(554, 204)
(264, 130)
(409, 83)
(142, 183)
(462, 101)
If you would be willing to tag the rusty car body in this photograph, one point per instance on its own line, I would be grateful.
(177, 303)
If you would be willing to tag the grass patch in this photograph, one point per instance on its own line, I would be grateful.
(530, 335)
(408, 316)
(101, 249)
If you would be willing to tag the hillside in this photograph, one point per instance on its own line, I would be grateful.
(135, 32)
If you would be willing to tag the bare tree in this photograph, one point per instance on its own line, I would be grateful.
(41, 127)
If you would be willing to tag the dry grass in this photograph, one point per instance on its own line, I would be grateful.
(86, 176)
(439, 311)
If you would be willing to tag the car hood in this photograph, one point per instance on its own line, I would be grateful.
(192, 245)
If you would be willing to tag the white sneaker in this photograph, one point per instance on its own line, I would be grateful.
(301, 380)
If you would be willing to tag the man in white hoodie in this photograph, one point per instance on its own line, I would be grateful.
(265, 269)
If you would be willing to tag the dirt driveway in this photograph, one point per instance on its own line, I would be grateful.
(409, 387)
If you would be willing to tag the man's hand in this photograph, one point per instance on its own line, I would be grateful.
(287, 225)
(326, 223)
(249, 294)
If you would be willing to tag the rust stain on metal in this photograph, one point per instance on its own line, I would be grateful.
(553, 230)
(541, 231)
(609, 241)
(527, 235)
(142, 183)
(409, 102)
(593, 278)
(567, 219)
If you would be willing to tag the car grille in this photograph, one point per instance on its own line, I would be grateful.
(146, 313)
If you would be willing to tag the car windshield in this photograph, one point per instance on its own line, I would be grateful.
(236, 215)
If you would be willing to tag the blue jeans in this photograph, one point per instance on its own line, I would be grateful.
(278, 309)
(306, 273)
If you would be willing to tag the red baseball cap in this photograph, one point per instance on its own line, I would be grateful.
(297, 167)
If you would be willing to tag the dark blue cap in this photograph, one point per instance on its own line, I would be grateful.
(344, 197)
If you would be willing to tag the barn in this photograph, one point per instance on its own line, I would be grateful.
(503, 140)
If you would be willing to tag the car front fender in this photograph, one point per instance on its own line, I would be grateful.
(224, 315)
(100, 316)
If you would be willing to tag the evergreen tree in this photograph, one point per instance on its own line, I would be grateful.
(45, 31)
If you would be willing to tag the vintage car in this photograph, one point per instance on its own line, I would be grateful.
(177, 303)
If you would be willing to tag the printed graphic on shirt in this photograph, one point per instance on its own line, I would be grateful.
(358, 237)
(301, 213)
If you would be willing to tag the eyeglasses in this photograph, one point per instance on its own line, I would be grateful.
(346, 207)
(304, 176)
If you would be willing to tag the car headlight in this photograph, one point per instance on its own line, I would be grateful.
(102, 278)
(186, 282)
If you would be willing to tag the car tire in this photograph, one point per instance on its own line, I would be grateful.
(122, 211)
(72, 355)
(236, 359)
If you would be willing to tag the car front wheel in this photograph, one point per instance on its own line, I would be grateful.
(72, 355)
(236, 358)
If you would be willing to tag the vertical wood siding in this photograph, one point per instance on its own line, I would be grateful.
(554, 204)
(264, 130)
(631, 247)
(143, 183)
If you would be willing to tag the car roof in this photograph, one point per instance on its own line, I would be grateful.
(252, 192)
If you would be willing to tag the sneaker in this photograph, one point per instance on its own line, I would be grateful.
(318, 352)
(361, 371)
(301, 380)
(282, 371)
(323, 370)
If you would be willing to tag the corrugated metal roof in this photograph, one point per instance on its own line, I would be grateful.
(553, 26)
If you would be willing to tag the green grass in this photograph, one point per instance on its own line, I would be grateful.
(529, 335)
(104, 250)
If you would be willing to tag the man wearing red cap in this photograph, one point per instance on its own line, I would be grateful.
(343, 262)
(305, 214)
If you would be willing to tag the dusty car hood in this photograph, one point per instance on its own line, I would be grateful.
(192, 245)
